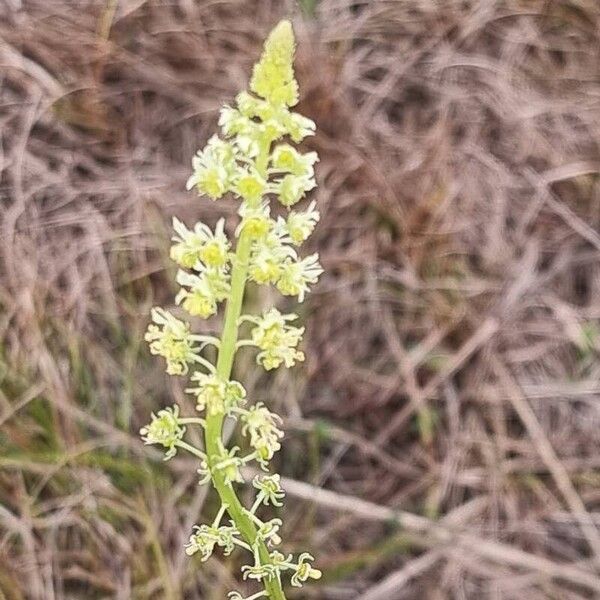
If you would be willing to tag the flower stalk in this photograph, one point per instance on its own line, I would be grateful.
(214, 423)
(252, 163)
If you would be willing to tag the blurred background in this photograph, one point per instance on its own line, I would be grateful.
(449, 402)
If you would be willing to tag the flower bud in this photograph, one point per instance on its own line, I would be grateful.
(304, 570)
(273, 76)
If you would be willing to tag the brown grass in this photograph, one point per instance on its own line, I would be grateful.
(449, 405)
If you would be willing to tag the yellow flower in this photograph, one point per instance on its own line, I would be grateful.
(233, 122)
(269, 488)
(216, 395)
(202, 244)
(205, 537)
(296, 275)
(287, 158)
(299, 225)
(292, 188)
(171, 338)
(268, 256)
(205, 291)
(255, 220)
(276, 339)
(250, 186)
(297, 126)
(164, 429)
(213, 168)
(262, 426)
(304, 570)
(188, 244)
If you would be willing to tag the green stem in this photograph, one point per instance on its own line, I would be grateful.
(214, 422)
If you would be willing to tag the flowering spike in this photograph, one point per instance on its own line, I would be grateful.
(253, 160)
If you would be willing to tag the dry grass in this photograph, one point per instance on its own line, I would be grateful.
(452, 371)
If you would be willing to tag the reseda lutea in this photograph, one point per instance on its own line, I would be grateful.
(252, 161)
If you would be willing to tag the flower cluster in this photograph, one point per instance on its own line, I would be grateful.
(216, 395)
(302, 570)
(276, 340)
(254, 160)
(261, 425)
(165, 430)
(300, 224)
(274, 260)
(214, 169)
(172, 339)
(200, 245)
(207, 253)
(206, 537)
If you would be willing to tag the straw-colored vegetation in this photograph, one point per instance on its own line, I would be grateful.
(442, 436)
